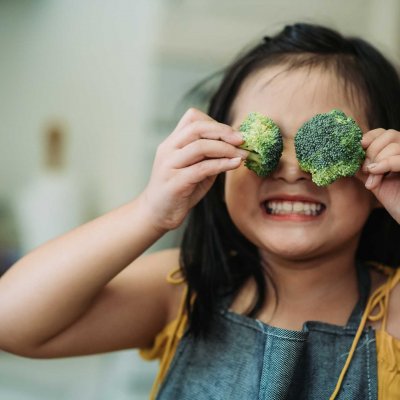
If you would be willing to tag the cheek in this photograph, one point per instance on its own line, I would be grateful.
(234, 181)
(353, 204)
(240, 192)
(233, 196)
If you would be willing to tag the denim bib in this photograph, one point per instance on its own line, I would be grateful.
(246, 359)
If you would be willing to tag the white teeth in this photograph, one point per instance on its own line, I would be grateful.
(293, 207)
(297, 206)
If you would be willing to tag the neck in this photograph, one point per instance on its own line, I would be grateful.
(298, 280)
(313, 289)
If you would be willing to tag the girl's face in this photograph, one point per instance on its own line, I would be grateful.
(307, 220)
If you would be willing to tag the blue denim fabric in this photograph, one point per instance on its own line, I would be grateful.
(245, 359)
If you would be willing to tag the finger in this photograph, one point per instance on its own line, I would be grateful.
(191, 115)
(198, 172)
(387, 140)
(206, 130)
(392, 149)
(389, 164)
(373, 181)
(370, 136)
(202, 149)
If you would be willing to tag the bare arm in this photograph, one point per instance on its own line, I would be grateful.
(49, 289)
(87, 291)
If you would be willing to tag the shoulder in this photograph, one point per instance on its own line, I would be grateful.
(154, 270)
(379, 279)
(155, 266)
(393, 322)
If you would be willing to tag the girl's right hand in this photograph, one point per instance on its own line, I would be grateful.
(186, 166)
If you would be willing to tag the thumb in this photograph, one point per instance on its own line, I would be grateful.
(373, 182)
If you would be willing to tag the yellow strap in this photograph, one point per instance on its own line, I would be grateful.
(380, 299)
(177, 330)
(175, 277)
(170, 348)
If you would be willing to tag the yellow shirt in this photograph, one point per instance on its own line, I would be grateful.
(388, 347)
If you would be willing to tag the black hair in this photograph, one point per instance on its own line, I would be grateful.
(216, 259)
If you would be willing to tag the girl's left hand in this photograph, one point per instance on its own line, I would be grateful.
(382, 164)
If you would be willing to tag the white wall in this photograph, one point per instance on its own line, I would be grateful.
(86, 64)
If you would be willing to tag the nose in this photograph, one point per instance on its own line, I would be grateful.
(288, 168)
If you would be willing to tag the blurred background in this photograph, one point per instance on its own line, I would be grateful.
(87, 91)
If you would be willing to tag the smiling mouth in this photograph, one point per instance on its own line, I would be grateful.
(277, 207)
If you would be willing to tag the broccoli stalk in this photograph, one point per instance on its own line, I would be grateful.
(263, 140)
(329, 147)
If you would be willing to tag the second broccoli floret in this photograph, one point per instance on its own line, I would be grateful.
(329, 147)
(262, 138)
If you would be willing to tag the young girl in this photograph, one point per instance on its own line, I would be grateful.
(281, 289)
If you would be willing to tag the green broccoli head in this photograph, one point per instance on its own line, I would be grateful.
(329, 147)
(262, 138)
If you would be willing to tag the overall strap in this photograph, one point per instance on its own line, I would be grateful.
(379, 299)
(170, 337)
(364, 288)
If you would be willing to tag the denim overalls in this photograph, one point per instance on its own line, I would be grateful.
(245, 359)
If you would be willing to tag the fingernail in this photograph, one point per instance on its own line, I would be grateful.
(369, 181)
(235, 161)
(366, 163)
(243, 154)
(372, 165)
(239, 135)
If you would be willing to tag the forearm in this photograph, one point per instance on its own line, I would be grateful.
(47, 291)
(51, 287)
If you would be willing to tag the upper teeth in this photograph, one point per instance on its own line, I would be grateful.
(296, 207)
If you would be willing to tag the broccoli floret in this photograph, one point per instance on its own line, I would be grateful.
(262, 138)
(329, 147)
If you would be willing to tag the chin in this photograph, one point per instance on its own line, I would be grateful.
(293, 251)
